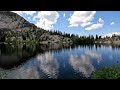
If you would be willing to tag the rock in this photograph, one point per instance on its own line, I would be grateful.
(114, 40)
(12, 20)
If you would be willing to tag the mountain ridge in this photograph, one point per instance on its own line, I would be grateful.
(14, 28)
(12, 20)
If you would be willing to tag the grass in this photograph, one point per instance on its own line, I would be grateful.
(112, 72)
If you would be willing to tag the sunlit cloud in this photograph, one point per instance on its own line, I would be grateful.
(25, 12)
(64, 15)
(96, 26)
(112, 23)
(46, 19)
(110, 34)
(81, 18)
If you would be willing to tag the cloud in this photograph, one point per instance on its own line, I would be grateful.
(112, 23)
(110, 34)
(82, 18)
(18, 12)
(64, 15)
(85, 24)
(96, 26)
(28, 15)
(100, 20)
(46, 19)
(25, 12)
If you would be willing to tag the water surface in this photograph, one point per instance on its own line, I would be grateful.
(55, 61)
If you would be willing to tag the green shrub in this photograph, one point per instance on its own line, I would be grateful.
(107, 73)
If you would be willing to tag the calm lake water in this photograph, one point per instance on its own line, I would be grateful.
(55, 61)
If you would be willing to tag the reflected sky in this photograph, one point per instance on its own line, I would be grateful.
(83, 63)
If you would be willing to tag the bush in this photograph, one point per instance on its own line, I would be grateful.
(107, 73)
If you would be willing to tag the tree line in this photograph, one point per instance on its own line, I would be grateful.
(76, 38)
(35, 35)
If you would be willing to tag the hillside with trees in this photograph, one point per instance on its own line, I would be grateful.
(15, 29)
(114, 40)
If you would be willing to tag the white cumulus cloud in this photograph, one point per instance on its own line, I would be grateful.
(25, 12)
(82, 18)
(96, 26)
(112, 23)
(85, 24)
(46, 19)
(101, 21)
(110, 34)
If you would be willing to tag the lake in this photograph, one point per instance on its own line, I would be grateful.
(55, 61)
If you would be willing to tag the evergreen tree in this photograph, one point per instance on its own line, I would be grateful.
(96, 37)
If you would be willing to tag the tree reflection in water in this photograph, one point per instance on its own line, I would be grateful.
(14, 55)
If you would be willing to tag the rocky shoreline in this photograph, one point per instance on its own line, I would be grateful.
(114, 40)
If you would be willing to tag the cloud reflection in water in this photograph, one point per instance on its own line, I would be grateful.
(34, 68)
(83, 63)
(25, 71)
(48, 64)
(93, 54)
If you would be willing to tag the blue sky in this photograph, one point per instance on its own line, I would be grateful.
(76, 22)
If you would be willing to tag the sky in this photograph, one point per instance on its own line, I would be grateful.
(76, 22)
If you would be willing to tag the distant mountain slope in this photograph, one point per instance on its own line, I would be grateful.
(12, 20)
(14, 28)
